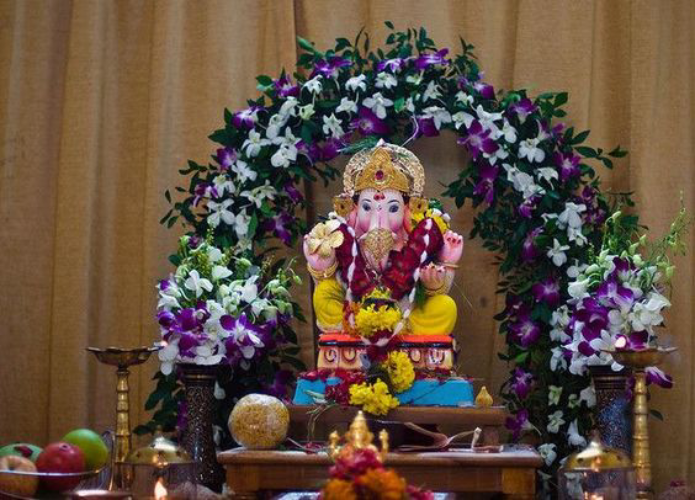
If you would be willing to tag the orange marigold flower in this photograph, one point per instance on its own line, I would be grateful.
(338, 489)
(381, 484)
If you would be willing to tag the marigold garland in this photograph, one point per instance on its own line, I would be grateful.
(384, 484)
(400, 371)
(375, 398)
(372, 319)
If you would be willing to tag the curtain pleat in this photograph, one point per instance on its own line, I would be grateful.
(101, 103)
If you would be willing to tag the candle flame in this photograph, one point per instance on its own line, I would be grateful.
(160, 492)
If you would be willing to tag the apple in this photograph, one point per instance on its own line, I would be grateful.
(25, 450)
(23, 485)
(60, 457)
(96, 454)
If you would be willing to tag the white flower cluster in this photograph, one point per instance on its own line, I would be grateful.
(206, 303)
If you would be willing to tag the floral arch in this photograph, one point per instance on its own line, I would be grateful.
(539, 205)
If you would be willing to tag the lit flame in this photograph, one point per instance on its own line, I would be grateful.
(160, 492)
(621, 342)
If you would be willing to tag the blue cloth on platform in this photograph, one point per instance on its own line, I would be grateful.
(424, 392)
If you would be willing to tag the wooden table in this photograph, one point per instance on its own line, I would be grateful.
(490, 420)
(511, 473)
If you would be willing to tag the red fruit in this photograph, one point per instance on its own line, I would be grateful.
(61, 457)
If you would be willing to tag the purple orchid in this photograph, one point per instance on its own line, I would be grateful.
(330, 68)
(486, 185)
(523, 108)
(485, 90)
(247, 117)
(568, 163)
(592, 316)
(327, 150)
(285, 88)
(292, 192)
(194, 241)
(427, 127)
(393, 65)
(280, 384)
(432, 59)
(634, 341)
(517, 423)
(547, 291)
(612, 294)
(529, 248)
(204, 190)
(279, 226)
(659, 377)
(245, 337)
(226, 157)
(521, 383)
(367, 123)
(524, 331)
(478, 140)
(528, 206)
(166, 319)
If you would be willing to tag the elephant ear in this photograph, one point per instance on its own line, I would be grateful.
(344, 206)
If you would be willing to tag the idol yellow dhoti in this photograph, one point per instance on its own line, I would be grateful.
(437, 316)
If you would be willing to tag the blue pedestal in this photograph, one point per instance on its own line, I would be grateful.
(424, 392)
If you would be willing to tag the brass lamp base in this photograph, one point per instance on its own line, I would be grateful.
(122, 359)
(639, 360)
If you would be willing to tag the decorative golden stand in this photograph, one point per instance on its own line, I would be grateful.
(122, 359)
(639, 360)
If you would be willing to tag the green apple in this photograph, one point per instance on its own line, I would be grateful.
(96, 454)
(25, 450)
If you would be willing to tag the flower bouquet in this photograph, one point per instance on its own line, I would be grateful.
(220, 309)
(361, 475)
(618, 297)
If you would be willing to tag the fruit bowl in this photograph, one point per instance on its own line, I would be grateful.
(84, 480)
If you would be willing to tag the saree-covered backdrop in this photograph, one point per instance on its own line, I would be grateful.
(101, 102)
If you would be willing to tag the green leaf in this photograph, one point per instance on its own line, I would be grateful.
(399, 104)
(264, 80)
(656, 414)
(167, 195)
(389, 24)
(586, 152)
(580, 137)
(306, 45)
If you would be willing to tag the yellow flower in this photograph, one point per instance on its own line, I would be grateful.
(375, 398)
(338, 489)
(400, 371)
(436, 216)
(382, 484)
(324, 238)
(371, 319)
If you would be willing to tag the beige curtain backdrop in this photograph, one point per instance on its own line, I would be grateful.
(101, 102)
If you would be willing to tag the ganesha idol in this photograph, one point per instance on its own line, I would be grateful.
(386, 248)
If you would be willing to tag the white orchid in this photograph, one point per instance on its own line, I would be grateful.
(378, 104)
(554, 394)
(463, 98)
(438, 114)
(220, 272)
(555, 421)
(243, 171)
(548, 453)
(573, 436)
(253, 144)
(508, 132)
(557, 253)
(241, 224)
(332, 126)
(385, 81)
(306, 112)
(462, 118)
(357, 82)
(547, 173)
(588, 395)
(197, 284)
(346, 106)
(314, 85)
(557, 360)
(431, 92)
(529, 149)
(219, 212)
(167, 356)
(260, 193)
(223, 185)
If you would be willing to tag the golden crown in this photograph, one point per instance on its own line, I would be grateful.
(380, 174)
(386, 166)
